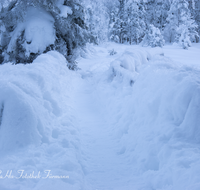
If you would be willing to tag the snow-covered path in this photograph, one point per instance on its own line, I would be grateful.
(104, 169)
(107, 148)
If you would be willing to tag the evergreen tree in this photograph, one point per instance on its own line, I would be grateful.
(156, 12)
(66, 17)
(179, 20)
(184, 37)
(97, 20)
(194, 6)
(119, 25)
(135, 22)
(129, 24)
(153, 37)
(112, 24)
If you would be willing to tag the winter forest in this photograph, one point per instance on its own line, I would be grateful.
(99, 94)
(72, 24)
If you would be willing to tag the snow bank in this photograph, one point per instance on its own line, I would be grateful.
(26, 97)
(156, 121)
(37, 131)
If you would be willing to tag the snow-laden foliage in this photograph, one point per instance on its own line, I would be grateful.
(34, 27)
(194, 6)
(127, 22)
(183, 36)
(156, 12)
(135, 28)
(180, 22)
(153, 37)
(97, 20)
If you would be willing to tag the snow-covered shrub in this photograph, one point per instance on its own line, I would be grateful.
(183, 37)
(35, 27)
(112, 52)
(153, 37)
(114, 38)
(127, 66)
(73, 65)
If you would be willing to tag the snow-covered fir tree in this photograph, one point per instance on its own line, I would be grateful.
(129, 24)
(135, 22)
(153, 37)
(184, 36)
(97, 20)
(120, 26)
(194, 6)
(37, 26)
(180, 23)
(113, 34)
(156, 12)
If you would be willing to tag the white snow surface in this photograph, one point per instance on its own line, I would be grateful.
(124, 122)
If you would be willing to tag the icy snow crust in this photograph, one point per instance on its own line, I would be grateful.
(124, 122)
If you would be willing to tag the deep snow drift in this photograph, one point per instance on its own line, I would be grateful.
(124, 122)
(38, 129)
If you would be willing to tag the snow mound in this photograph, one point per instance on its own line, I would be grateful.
(19, 121)
(37, 130)
(24, 92)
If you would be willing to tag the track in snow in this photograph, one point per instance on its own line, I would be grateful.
(104, 168)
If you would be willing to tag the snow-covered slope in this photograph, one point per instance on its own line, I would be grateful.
(124, 122)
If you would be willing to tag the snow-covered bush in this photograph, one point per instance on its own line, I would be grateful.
(183, 37)
(126, 67)
(112, 52)
(153, 37)
(114, 38)
(35, 27)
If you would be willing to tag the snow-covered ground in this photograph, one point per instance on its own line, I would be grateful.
(129, 121)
